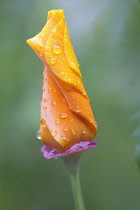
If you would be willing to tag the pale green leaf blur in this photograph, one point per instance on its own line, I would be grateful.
(106, 38)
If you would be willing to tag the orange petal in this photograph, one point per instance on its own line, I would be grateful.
(66, 115)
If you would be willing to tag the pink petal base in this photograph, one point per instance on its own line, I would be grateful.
(51, 153)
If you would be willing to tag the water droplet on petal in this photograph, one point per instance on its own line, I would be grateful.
(78, 109)
(63, 137)
(53, 61)
(43, 34)
(63, 100)
(57, 121)
(84, 93)
(66, 129)
(90, 120)
(84, 130)
(53, 102)
(43, 122)
(73, 65)
(53, 132)
(54, 30)
(45, 108)
(49, 90)
(54, 90)
(73, 130)
(38, 134)
(78, 81)
(64, 115)
(45, 100)
(51, 110)
(96, 124)
(57, 49)
(63, 73)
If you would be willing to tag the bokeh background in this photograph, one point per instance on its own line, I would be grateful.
(106, 37)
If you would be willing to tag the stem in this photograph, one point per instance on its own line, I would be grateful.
(72, 163)
(77, 191)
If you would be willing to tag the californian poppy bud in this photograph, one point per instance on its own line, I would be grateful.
(67, 123)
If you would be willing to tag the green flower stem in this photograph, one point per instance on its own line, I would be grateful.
(77, 191)
(72, 162)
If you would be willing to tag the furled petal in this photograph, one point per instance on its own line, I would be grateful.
(66, 115)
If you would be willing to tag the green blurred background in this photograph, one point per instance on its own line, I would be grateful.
(106, 37)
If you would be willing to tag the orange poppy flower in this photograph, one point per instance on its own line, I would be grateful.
(66, 115)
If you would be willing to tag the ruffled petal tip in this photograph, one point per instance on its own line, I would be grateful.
(52, 153)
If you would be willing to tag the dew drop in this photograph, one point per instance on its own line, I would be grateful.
(43, 34)
(64, 115)
(51, 110)
(84, 130)
(53, 102)
(63, 73)
(78, 81)
(73, 65)
(66, 129)
(56, 49)
(96, 124)
(57, 121)
(54, 30)
(69, 79)
(45, 100)
(49, 90)
(63, 100)
(53, 61)
(38, 134)
(53, 132)
(84, 93)
(43, 122)
(90, 120)
(54, 90)
(45, 108)
(63, 137)
(41, 54)
(73, 130)
(78, 109)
